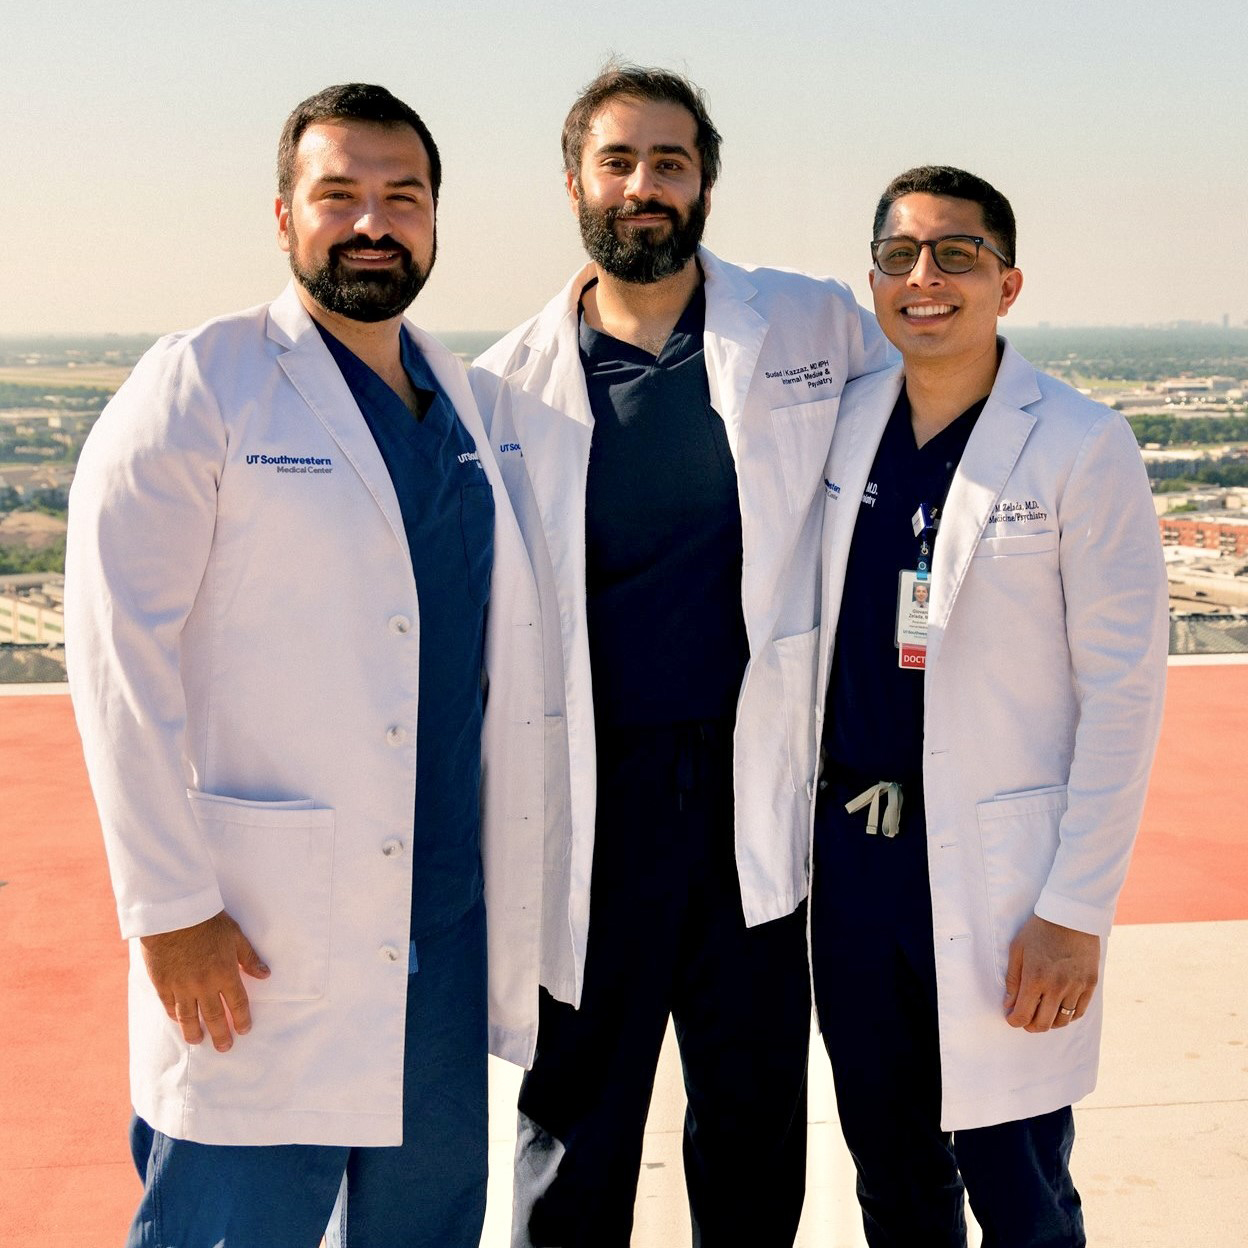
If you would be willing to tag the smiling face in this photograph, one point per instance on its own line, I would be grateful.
(360, 228)
(638, 195)
(932, 316)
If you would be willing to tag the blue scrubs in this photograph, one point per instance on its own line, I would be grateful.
(428, 1192)
(871, 931)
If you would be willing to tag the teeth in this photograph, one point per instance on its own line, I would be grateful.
(930, 309)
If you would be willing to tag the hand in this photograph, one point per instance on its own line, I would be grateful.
(1050, 968)
(195, 973)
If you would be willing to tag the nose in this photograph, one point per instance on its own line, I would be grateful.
(641, 182)
(925, 271)
(372, 220)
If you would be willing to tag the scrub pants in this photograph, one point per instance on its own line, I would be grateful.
(875, 989)
(428, 1192)
(667, 937)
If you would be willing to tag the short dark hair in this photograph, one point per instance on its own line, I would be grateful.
(954, 184)
(619, 79)
(350, 101)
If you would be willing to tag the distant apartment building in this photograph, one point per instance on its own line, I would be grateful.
(32, 609)
(1217, 534)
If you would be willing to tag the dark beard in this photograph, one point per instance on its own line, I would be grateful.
(371, 296)
(641, 258)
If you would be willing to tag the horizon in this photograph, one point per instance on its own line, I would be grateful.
(147, 198)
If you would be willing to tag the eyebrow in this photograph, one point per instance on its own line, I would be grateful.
(341, 179)
(659, 149)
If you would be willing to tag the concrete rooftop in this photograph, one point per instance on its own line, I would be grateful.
(1162, 1154)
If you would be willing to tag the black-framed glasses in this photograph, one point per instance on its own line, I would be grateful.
(954, 253)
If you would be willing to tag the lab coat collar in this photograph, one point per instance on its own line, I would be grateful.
(864, 413)
(306, 361)
(991, 453)
(734, 336)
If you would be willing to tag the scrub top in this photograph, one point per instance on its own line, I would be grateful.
(874, 721)
(667, 638)
(448, 514)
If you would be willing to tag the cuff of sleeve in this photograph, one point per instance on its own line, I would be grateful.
(149, 918)
(1077, 915)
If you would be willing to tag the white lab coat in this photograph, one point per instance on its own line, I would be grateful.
(779, 348)
(1043, 695)
(243, 650)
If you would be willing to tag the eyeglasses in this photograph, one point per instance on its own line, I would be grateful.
(955, 253)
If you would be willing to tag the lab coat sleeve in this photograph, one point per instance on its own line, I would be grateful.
(141, 519)
(870, 351)
(1117, 623)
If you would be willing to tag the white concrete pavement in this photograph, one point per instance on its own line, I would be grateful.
(1161, 1157)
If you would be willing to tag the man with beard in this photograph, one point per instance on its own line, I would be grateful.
(284, 533)
(661, 427)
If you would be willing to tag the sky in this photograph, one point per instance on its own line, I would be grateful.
(138, 140)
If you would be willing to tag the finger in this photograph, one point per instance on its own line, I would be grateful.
(235, 997)
(1025, 1006)
(1067, 1012)
(186, 1015)
(1013, 975)
(212, 1011)
(1045, 1015)
(249, 959)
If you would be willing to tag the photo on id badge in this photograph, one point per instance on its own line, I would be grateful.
(913, 591)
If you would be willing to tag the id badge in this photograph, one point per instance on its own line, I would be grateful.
(914, 590)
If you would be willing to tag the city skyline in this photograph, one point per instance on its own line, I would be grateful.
(142, 142)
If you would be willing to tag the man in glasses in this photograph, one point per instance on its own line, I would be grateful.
(994, 651)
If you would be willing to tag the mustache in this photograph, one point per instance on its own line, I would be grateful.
(637, 208)
(361, 242)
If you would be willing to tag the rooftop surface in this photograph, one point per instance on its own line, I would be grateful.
(1162, 1155)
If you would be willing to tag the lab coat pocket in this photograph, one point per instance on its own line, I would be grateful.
(797, 657)
(274, 864)
(803, 435)
(1015, 544)
(1019, 837)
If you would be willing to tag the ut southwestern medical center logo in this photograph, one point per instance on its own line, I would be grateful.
(293, 463)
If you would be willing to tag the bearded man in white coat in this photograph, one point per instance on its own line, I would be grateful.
(284, 531)
(661, 427)
(993, 649)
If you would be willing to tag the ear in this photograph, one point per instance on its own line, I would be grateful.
(1011, 284)
(706, 202)
(282, 211)
(871, 278)
(573, 187)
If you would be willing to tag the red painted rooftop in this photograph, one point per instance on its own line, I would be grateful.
(65, 1177)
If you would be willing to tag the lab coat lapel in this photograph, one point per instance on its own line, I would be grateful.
(551, 403)
(991, 453)
(864, 414)
(548, 405)
(453, 379)
(733, 338)
(311, 369)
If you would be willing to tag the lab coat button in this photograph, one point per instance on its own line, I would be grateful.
(389, 953)
(392, 847)
(400, 624)
(395, 735)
